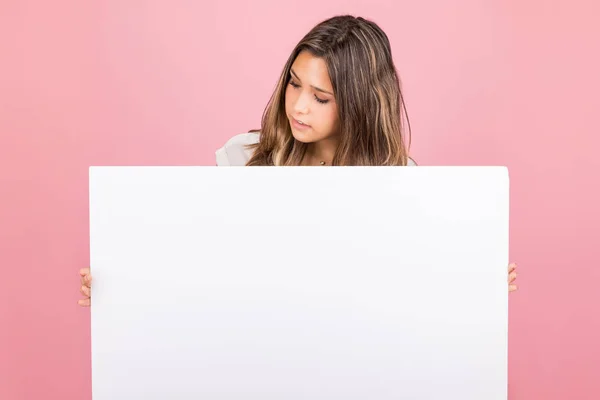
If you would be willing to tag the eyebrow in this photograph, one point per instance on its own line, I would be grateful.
(314, 87)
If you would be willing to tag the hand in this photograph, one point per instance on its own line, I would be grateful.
(512, 275)
(86, 287)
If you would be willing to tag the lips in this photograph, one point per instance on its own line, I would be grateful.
(299, 124)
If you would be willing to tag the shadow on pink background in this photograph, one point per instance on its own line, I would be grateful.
(513, 82)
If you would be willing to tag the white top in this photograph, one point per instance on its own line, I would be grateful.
(234, 152)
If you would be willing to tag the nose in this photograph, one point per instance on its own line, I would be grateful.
(301, 106)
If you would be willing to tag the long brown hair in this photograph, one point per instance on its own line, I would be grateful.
(366, 89)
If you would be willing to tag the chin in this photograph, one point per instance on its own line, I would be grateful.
(303, 137)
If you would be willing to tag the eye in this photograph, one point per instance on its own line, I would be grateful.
(321, 100)
(296, 86)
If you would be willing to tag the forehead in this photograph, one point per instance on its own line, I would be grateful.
(312, 70)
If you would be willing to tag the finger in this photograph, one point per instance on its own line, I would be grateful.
(84, 271)
(512, 276)
(512, 288)
(85, 291)
(86, 280)
(512, 267)
(84, 302)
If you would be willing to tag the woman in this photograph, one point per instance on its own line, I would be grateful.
(338, 102)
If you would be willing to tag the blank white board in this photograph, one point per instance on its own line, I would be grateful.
(299, 283)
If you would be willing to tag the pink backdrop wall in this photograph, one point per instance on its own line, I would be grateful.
(165, 83)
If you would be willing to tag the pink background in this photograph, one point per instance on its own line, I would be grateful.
(512, 82)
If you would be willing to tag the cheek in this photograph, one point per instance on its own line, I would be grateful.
(328, 119)
(289, 101)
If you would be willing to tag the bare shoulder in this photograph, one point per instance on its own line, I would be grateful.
(235, 151)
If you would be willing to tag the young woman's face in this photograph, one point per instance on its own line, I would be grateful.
(309, 102)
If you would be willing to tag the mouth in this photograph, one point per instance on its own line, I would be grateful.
(299, 124)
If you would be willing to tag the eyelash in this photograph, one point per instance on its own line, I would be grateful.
(296, 86)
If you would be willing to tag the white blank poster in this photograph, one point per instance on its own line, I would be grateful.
(370, 283)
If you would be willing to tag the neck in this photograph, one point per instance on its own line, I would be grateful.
(321, 152)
